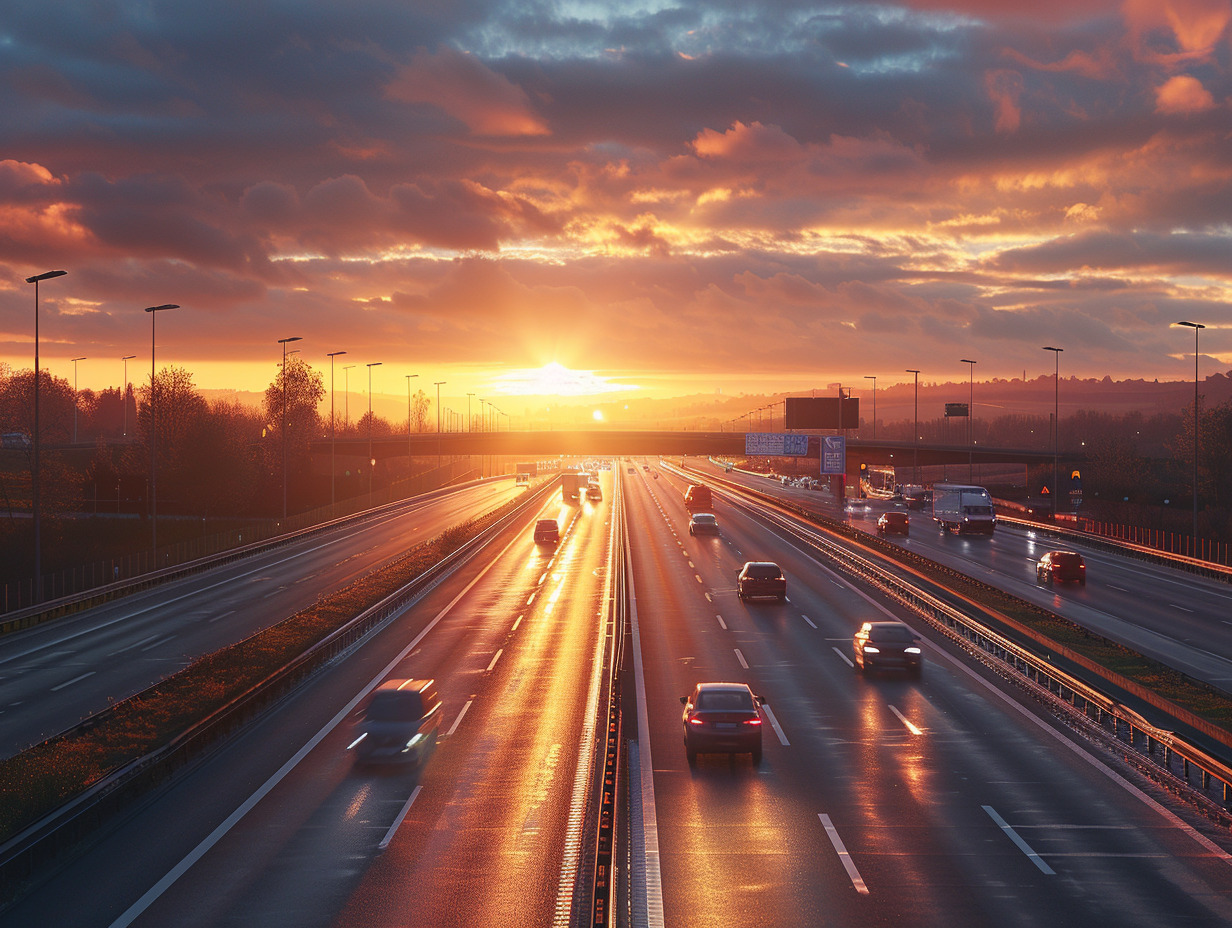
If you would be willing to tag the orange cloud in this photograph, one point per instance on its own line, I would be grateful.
(1196, 25)
(1182, 94)
(753, 142)
(1004, 88)
(487, 103)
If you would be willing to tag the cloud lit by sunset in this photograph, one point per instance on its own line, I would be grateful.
(779, 195)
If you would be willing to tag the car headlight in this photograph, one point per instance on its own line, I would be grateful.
(869, 649)
(912, 650)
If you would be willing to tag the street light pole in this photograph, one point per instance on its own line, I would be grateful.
(346, 395)
(154, 311)
(970, 419)
(1056, 422)
(75, 404)
(409, 448)
(438, 422)
(873, 378)
(283, 342)
(34, 475)
(1195, 326)
(333, 470)
(124, 392)
(371, 459)
(915, 433)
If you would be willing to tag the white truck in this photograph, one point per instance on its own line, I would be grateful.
(966, 510)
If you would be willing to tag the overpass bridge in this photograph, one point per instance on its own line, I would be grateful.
(535, 445)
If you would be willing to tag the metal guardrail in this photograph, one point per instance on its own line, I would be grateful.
(35, 615)
(602, 911)
(48, 838)
(1081, 696)
(1127, 548)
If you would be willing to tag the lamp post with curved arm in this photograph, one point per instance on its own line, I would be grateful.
(1056, 422)
(36, 511)
(1195, 326)
(154, 311)
(915, 432)
(333, 470)
(371, 459)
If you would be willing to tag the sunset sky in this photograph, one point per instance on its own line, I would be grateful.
(666, 197)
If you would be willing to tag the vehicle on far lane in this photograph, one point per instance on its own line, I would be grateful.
(1061, 566)
(593, 492)
(400, 724)
(722, 718)
(894, 522)
(886, 646)
(703, 523)
(761, 578)
(547, 532)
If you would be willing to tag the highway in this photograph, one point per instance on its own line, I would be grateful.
(1181, 619)
(881, 800)
(951, 800)
(55, 674)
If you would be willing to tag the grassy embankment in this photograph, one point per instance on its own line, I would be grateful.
(45, 776)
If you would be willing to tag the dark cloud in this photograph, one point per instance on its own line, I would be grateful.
(720, 187)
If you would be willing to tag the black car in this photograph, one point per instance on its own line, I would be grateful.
(547, 532)
(886, 646)
(722, 718)
(761, 578)
(1061, 566)
(400, 724)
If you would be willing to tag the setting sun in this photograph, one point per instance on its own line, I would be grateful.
(555, 379)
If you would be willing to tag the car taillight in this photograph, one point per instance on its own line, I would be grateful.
(695, 720)
(752, 721)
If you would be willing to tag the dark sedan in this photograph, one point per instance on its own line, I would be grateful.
(722, 718)
(761, 578)
(1061, 566)
(893, 523)
(886, 646)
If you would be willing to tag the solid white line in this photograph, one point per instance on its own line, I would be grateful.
(495, 658)
(774, 723)
(72, 681)
(147, 899)
(807, 619)
(740, 658)
(722, 624)
(1171, 817)
(856, 880)
(458, 720)
(389, 835)
(1021, 844)
(902, 718)
(845, 658)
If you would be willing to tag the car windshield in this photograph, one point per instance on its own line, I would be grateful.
(705, 519)
(394, 707)
(891, 633)
(1066, 560)
(724, 699)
